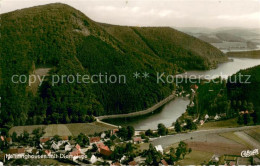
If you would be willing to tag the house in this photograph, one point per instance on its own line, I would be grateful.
(114, 131)
(55, 146)
(44, 140)
(215, 158)
(123, 158)
(192, 104)
(65, 138)
(164, 163)
(216, 117)
(159, 148)
(9, 140)
(75, 154)
(78, 147)
(195, 120)
(201, 122)
(194, 87)
(137, 140)
(103, 135)
(93, 159)
(99, 145)
(94, 140)
(2, 138)
(47, 152)
(132, 163)
(206, 116)
(68, 147)
(104, 150)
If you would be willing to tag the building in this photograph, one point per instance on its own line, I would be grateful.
(132, 163)
(104, 150)
(93, 159)
(44, 140)
(164, 163)
(94, 140)
(47, 152)
(137, 139)
(159, 148)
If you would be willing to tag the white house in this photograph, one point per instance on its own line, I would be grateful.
(68, 147)
(103, 135)
(206, 116)
(55, 146)
(93, 159)
(159, 148)
(217, 117)
(192, 104)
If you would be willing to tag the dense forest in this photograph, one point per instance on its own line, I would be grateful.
(246, 95)
(236, 97)
(60, 37)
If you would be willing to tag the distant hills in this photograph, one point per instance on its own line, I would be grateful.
(64, 40)
(227, 39)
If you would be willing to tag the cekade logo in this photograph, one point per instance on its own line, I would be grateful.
(248, 153)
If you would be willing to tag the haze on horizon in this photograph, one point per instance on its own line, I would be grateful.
(175, 13)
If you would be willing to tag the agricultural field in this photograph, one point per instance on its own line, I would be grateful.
(72, 129)
(224, 144)
(220, 124)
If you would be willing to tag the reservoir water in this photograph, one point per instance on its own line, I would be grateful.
(171, 111)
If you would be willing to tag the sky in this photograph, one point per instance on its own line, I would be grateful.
(175, 13)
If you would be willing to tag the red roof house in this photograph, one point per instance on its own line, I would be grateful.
(44, 140)
(75, 153)
(105, 150)
(164, 162)
(94, 139)
(132, 163)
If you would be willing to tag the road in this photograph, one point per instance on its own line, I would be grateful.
(166, 141)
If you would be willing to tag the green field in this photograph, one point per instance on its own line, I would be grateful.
(195, 158)
(72, 129)
(220, 124)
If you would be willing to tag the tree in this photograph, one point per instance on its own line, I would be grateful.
(14, 136)
(247, 119)
(109, 143)
(122, 133)
(240, 120)
(182, 150)
(190, 125)
(130, 132)
(56, 138)
(162, 130)
(177, 127)
(148, 132)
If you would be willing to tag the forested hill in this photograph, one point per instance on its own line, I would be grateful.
(246, 91)
(62, 38)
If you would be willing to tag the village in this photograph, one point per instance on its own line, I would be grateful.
(113, 147)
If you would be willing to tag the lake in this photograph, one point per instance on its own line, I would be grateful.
(174, 109)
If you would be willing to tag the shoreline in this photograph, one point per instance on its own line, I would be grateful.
(140, 113)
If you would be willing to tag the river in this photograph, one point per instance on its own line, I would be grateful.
(171, 111)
